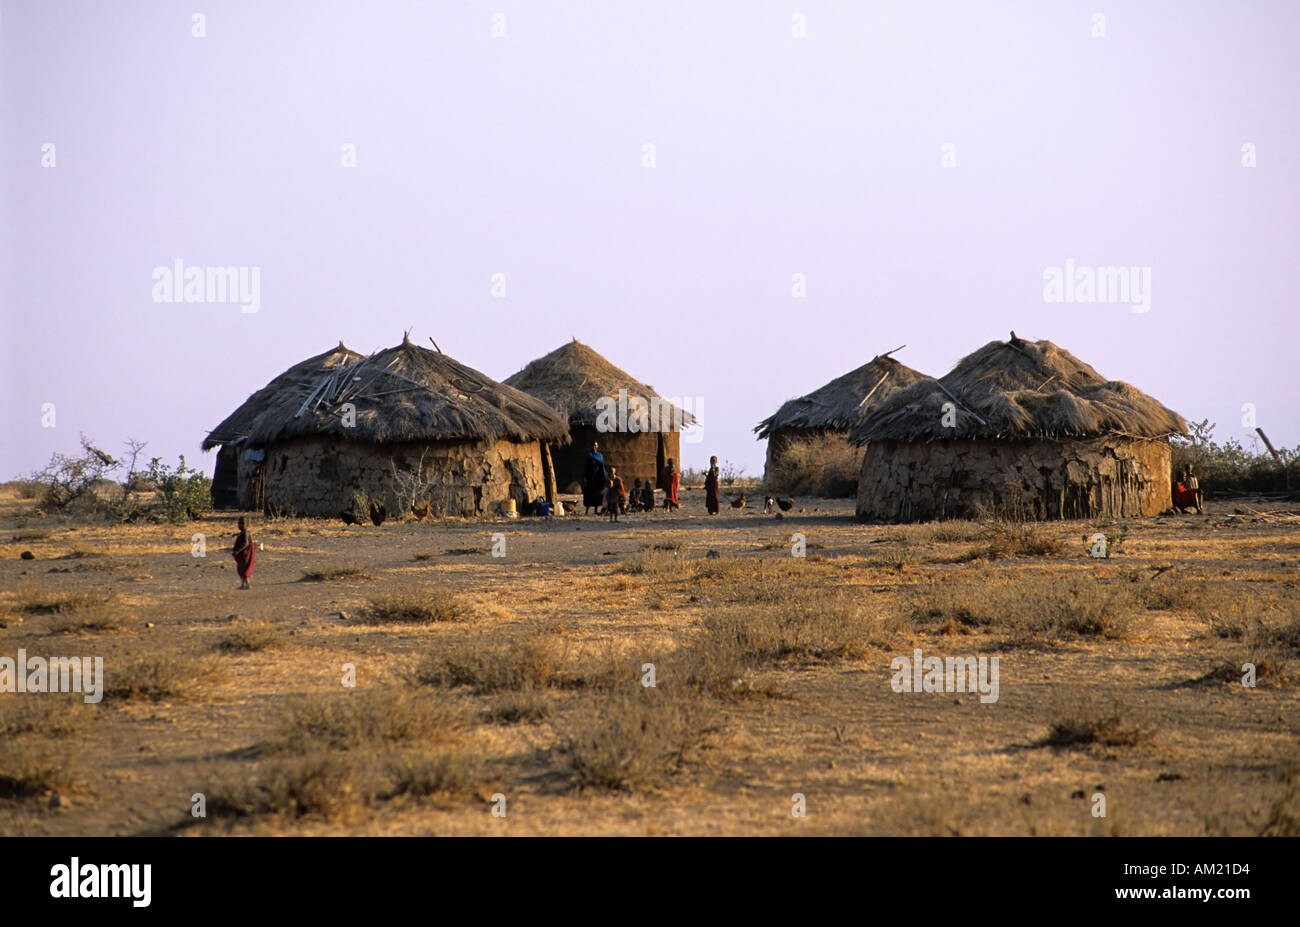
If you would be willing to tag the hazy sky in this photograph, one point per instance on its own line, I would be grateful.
(525, 155)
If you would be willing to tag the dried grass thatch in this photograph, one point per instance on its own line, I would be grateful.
(294, 385)
(404, 393)
(573, 377)
(1023, 389)
(839, 404)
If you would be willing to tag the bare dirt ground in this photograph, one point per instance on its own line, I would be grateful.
(515, 684)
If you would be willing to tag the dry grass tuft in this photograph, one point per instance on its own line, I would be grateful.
(52, 715)
(32, 770)
(36, 601)
(250, 639)
(322, 785)
(1084, 725)
(1284, 814)
(524, 707)
(455, 773)
(352, 720)
(424, 607)
(634, 738)
(1035, 610)
(653, 562)
(334, 573)
(1020, 539)
(896, 561)
(159, 678)
(520, 662)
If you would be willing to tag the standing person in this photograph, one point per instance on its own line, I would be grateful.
(711, 487)
(244, 555)
(1194, 486)
(594, 479)
(615, 494)
(671, 479)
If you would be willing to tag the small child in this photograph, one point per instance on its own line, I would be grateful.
(244, 555)
(615, 494)
(635, 501)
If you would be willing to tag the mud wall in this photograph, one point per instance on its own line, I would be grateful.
(1109, 476)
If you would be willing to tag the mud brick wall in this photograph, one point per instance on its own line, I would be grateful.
(1110, 476)
(318, 475)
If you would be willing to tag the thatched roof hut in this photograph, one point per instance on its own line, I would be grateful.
(585, 388)
(1017, 427)
(295, 384)
(808, 451)
(404, 425)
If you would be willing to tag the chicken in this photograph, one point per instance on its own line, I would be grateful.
(738, 503)
(768, 504)
(421, 511)
(785, 504)
(377, 513)
(351, 518)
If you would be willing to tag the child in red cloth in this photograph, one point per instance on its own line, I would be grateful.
(244, 555)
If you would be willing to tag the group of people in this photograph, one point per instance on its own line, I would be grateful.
(1187, 491)
(603, 489)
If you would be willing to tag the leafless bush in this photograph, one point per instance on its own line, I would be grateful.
(816, 466)
(633, 737)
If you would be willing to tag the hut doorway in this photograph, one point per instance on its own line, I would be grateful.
(661, 460)
(225, 479)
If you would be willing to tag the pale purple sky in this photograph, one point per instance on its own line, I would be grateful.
(522, 155)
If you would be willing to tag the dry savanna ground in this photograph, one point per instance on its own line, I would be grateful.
(516, 683)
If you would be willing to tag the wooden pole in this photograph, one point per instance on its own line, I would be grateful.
(1286, 471)
(874, 388)
(1269, 444)
(548, 473)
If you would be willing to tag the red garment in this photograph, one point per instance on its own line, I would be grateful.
(1185, 498)
(244, 556)
(670, 490)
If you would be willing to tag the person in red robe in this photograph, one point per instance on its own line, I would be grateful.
(670, 483)
(244, 555)
(711, 501)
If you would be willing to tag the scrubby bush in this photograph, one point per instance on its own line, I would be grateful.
(71, 483)
(183, 493)
(824, 466)
(1229, 466)
(97, 484)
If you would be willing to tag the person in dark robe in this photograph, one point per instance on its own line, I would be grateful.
(244, 555)
(647, 496)
(671, 480)
(594, 480)
(711, 487)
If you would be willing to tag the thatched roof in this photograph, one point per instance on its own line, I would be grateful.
(839, 404)
(573, 377)
(1019, 388)
(403, 393)
(294, 385)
